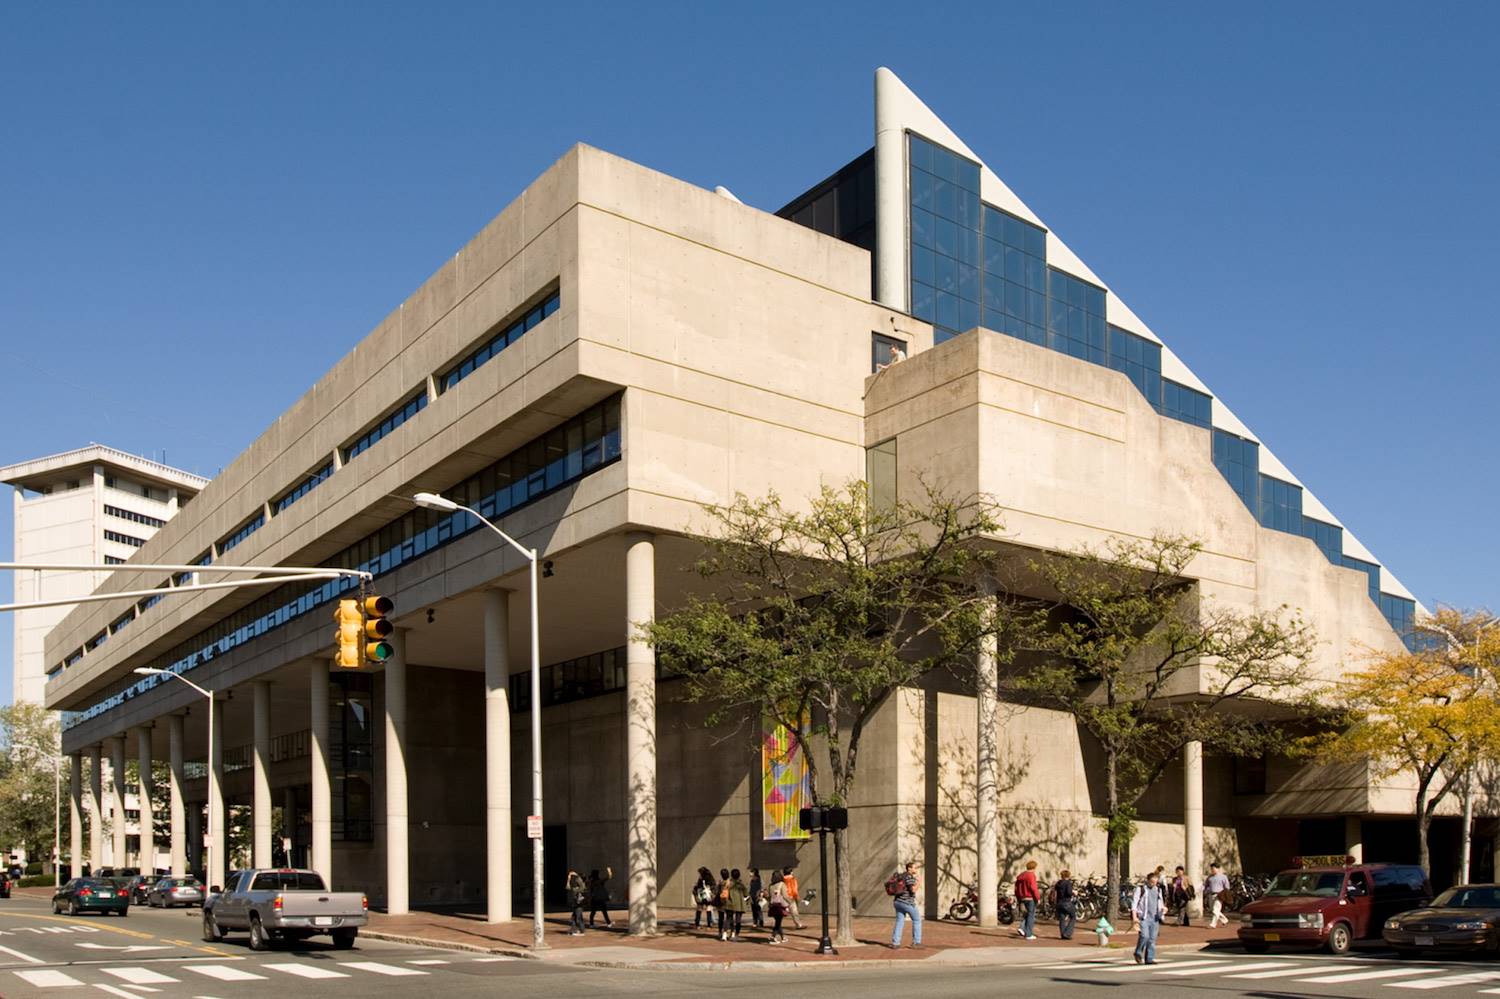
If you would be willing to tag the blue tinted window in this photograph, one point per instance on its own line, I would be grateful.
(1139, 359)
(254, 524)
(498, 340)
(1280, 505)
(404, 412)
(1238, 460)
(1186, 404)
(1075, 321)
(1328, 537)
(304, 487)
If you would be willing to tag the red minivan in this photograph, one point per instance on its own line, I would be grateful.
(1331, 906)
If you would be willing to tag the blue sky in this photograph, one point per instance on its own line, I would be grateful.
(203, 206)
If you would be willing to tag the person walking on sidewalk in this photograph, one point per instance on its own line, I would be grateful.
(736, 898)
(1067, 904)
(705, 890)
(1180, 893)
(1027, 897)
(778, 905)
(757, 899)
(599, 894)
(721, 898)
(578, 896)
(789, 876)
(1149, 911)
(905, 902)
(1215, 891)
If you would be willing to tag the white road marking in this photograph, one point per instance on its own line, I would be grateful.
(24, 957)
(224, 974)
(48, 979)
(1441, 983)
(1163, 965)
(1365, 976)
(380, 969)
(433, 960)
(140, 976)
(1216, 969)
(492, 960)
(140, 988)
(114, 991)
(305, 970)
(1288, 972)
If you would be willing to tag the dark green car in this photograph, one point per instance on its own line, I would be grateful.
(91, 895)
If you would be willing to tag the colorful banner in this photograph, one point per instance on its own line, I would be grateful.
(784, 781)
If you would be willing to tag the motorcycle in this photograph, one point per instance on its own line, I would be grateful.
(966, 907)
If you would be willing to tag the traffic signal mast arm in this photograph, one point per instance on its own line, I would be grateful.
(282, 574)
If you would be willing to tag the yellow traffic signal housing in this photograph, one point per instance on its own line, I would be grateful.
(349, 635)
(377, 628)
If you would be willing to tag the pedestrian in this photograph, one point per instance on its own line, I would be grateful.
(793, 894)
(778, 905)
(599, 894)
(1216, 894)
(721, 897)
(735, 903)
(578, 896)
(757, 899)
(1027, 896)
(1149, 911)
(704, 892)
(1067, 904)
(903, 885)
(1180, 892)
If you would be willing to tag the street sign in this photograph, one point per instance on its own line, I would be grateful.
(533, 827)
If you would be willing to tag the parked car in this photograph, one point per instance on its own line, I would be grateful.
(1331, 906)
(168, 893)
(91, 895)
(139, 886)
(283, 904)
(1466, 917)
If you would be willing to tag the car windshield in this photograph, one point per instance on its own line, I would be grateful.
(1468, 898)
(1319, 884)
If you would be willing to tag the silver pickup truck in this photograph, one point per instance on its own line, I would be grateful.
(283, 904)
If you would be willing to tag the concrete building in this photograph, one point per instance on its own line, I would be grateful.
(90, 506)
(614, 350)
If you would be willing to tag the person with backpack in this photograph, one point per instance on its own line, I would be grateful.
(578, 896)
(705, 889)
(902, 887)
(777, 905)
(1148, 908)
(721, 896)
(599, 894)
(1027, 897)
(1179, 893)
(1066, 901)
(793, 894)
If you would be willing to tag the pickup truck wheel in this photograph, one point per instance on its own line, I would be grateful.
(258, 938)
(1340, 939)
(211, 931)
(344, 939)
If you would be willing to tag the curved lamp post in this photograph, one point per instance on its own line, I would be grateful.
(208, 865)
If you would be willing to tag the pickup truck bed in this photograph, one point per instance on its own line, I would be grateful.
(283, 904)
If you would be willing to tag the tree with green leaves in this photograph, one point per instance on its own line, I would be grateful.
(817, 614)
(29, 746)
(1127, 647)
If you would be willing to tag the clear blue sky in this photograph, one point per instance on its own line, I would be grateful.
(203, 206)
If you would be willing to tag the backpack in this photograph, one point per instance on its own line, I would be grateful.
(723, 895)
(895, 884)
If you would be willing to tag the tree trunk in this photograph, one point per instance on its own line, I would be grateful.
(1112, 846)
(1466, 843)
(1424, 820)
(844, 935)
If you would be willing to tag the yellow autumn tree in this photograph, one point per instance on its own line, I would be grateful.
(1432, 711)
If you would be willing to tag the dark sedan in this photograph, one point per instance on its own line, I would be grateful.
(139, 886)
(1463, 918)
(169, 892)
(91, 895)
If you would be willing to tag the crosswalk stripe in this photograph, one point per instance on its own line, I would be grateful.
(1441, 983)
(1365, 976)
(224, 973)
(492, 960)
(1162, 965)
(1301, 968)
(1220, 969)
(48, 979)
(432, 960)
(140, 976)
(305, 970)
(381, 969)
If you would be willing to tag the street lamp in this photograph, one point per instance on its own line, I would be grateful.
(432, 501)
(208, 866)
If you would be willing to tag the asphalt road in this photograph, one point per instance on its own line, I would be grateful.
(155, 954)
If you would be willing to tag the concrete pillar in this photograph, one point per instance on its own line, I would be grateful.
(178, 832)
(216, 823)
(289, 822)
(640, 732)
(1192, 822)
(75, 813)
(147, 860)
(321, 859)
(96, 806)
(260, 809)
(987, 793)
(397, 876)
(117, 800)
(194, 837)
(497, 883)
(1354, 839)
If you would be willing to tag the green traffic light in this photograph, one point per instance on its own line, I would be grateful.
(378, 652)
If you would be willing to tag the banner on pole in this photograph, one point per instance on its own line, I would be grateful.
(785, 783)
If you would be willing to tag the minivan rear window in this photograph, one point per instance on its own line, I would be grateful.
(287, 881)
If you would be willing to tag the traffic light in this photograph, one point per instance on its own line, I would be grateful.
(351, 627)
(376, 628)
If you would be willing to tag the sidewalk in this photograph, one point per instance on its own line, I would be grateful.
(679, 946)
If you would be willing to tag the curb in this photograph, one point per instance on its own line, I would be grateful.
(402, 938)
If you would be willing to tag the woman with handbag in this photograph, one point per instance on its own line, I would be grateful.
(778, 906)
(704, 890)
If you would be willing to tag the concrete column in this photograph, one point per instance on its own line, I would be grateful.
(1192, 822)
(497, 755)
(96, 806)
(397, 876)
(987, 793)
(289, 821)
(640, 732)
(75, 813)
(260, 809)
(1354, 840)
(117, 800)
(147, 859)
(216, 823)
(194, 837)
(178, 831)
(322, 797)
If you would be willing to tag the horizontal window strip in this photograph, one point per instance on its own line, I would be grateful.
(304, 487)
(254, 524)
(402, 413)
(131, 515)
(497, 342)
(124, 539)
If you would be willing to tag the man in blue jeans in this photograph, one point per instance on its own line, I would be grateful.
(1149, 909)
(906, 908)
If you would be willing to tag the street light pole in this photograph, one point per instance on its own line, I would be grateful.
(208, 865)
(433, 501)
